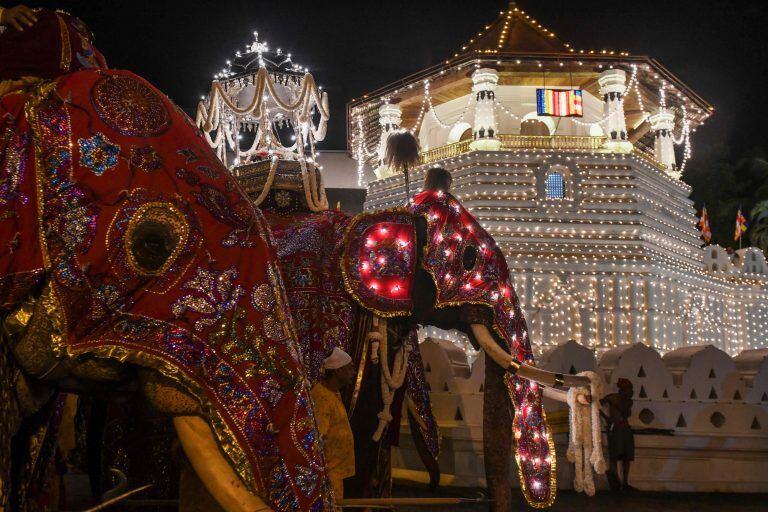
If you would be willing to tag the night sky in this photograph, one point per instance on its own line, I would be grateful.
(719, 49)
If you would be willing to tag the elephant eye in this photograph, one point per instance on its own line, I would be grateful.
(156, 234)
(469, 257)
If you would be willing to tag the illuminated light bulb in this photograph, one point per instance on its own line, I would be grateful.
(396, 288)
(448, 276)
(365, 266)
(374, 286)
(467, 286)
(370, 242)
(383, 231)
(381, 260)
(448, 252)
(536, 484)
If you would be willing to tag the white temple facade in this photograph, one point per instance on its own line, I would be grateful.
(700, 416)
(589, 210)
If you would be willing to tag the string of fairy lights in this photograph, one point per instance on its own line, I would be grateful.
(618, 258)
(629, 274)
(427, 107)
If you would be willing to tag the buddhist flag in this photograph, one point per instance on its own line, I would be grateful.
(559, 102)
(741, 225)
(706, 231)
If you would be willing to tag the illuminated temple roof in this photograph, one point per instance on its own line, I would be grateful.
(523, 51)
(514, 31)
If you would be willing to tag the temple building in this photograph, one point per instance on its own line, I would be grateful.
(572, 160)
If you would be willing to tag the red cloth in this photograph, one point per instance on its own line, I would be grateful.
(56, 44)
(78, 180)
(309, 247)
(452, 230)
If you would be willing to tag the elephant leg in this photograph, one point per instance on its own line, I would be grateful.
(217, 475)
(497, 443)
(426, 457)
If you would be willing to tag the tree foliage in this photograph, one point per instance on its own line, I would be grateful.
(724, 182)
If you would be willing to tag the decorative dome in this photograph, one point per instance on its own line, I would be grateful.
(258, 55)
(263, 106)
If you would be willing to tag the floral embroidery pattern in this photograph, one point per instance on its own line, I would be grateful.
(215, 295)
(130, 106)
(12, 166)
(146, 159)
(98, 154)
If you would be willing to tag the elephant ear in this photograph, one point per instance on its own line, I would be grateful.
(379, 261)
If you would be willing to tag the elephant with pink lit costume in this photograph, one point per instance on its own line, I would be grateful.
(366, 283)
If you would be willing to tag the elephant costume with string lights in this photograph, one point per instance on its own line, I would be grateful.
(366, 283)
(132, 263)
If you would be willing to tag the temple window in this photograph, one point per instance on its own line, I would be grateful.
(555, 186)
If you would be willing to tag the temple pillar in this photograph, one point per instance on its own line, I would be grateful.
(662, 122)
(389, 119)
(484, 136)
(612, 87)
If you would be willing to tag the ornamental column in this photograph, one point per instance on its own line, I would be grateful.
(612, 87)
(484, 134)
(390, 117)
(662, 122)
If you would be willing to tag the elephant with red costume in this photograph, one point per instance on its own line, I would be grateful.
(132, 263)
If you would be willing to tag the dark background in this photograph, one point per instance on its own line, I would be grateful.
(719, 49)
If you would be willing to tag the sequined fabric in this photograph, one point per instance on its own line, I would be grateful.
(309, 247)
(379, 261)
(129, 106)
(21, 258)
(98, 154)
(191, 315)
(451, 230)
(418, 393)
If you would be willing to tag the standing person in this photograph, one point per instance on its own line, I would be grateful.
(621, 441)
(332, 420)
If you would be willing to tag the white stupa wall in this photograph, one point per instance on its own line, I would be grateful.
(716, 441)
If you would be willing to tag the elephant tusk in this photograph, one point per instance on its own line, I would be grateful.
(526, 371)
(210, 465)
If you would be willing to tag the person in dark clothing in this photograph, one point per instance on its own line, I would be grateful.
(438, 178)
(621, 442)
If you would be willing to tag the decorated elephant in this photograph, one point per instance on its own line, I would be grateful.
(132, 262)
(366, 283)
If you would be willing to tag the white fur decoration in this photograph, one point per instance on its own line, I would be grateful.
(585, 448)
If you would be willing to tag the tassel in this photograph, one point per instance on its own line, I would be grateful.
(585, 447)
(402, 153)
